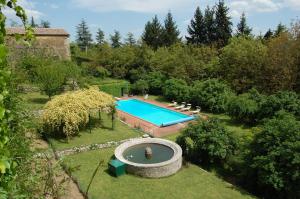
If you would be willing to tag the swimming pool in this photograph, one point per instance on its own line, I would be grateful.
(152, 113)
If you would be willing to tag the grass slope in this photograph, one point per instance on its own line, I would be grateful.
(98, 135)
(191, 182)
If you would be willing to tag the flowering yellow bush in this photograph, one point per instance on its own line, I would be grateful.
(67, 112)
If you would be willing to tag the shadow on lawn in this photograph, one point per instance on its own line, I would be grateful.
(39, 100)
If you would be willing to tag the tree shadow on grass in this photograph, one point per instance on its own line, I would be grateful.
(39, 100)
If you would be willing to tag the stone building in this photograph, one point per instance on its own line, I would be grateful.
(54, 41)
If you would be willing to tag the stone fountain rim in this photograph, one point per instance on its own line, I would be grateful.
(175, 147)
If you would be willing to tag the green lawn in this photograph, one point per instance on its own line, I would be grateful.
(34, 100)
(190, 182)
(98, 135)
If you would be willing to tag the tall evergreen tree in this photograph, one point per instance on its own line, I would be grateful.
(153, 32)
(45, 24)
(223, 24)
(242, 28)
(32, 23)
(210, 25)
(130, 39)
(83, 37)
(100, 36)
(116, 39)
(268, 35)
(280, 29)
(170, 31)
(196, 29)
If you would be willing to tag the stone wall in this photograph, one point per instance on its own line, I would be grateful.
(58, 46)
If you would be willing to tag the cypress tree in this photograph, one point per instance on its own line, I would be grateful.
(242, 28)
(223, 24)
(153, 32)
(130, 39)
(170, 31)
(210, 25)
(196, 29)
(83, 37)
(116, 39)
(32, 23)
(100, 36)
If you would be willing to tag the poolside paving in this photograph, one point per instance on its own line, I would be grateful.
(152, 129)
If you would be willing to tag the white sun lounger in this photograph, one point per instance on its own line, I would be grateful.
(173, 104)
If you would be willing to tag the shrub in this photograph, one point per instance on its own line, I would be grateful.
(283, 100)
(176, 89)
(275, 157)
(207, 142)
(51, 78)
(155, 81)
(245, 107)
(66, 113)
(140, 87)
(211, 95)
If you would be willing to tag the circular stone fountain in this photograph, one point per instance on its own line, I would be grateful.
(150, 157)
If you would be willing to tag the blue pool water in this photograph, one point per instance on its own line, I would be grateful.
(152, 113)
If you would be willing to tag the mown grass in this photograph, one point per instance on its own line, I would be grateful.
(97, 135)
(189, 183)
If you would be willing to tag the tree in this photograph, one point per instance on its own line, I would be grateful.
(45, 24)
(153, 32)
(176, 89)
(207, 142)
(268, 35)
(279, 30)
(211, 95)
(51, 78)
(244, 108)
(243, 62)
(223, 24)
(130, 40)
(170, 31)
(242, 28)
(140, 87)
(274, 158)
(210, 25)
(116, 39)
(280, 72)
(100, 36)
(196, 29)
(83, 37)
(32, 23)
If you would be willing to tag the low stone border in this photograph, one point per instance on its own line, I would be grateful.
(85, 148)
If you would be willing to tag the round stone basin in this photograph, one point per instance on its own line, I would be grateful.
(150, 157)
(160, 153)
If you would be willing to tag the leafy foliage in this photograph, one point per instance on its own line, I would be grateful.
(176, 89)
(51, 78)
(283, 100)
(66, 113)
(140, 87)
(243, 57)
(207, 142)
(274, 157)
(245, 107)
(212, 95)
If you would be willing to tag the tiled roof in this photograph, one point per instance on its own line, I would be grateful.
(39, 31)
